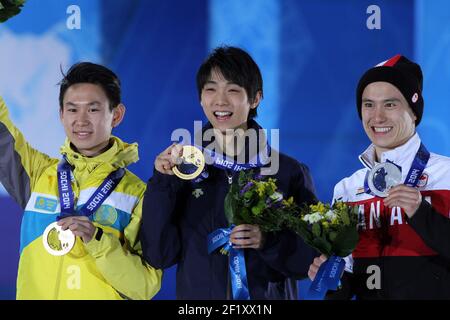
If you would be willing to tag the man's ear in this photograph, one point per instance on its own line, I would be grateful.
(118, 114)
(257, 100)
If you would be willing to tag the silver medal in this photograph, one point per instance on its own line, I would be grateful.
(383, 177)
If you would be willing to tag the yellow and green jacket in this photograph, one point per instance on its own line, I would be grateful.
(107, 267)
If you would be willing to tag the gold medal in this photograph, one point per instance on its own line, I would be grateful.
(56, 241)
(192, 165)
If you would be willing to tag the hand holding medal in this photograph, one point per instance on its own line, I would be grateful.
(80, 226)
(186, 162)
(407, 198)
(59, 237)
(385, 180)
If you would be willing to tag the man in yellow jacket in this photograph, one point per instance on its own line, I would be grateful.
(82, 213)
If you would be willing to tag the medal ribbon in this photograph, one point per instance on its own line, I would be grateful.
(220, 238)
(327, 278)
(239, 284)
(225, 163)
(66, 195)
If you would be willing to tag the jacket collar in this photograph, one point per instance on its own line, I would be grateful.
(402, 156)
(119, 155)
(251, 124)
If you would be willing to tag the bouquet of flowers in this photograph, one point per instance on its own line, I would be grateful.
(331, 230)
(10, 8)
(252, 200)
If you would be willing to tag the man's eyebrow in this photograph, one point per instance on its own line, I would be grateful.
(384, 100)
(73, 104)
(392, 99)
(228, 82)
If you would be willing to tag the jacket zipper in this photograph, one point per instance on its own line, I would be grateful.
(230, 178)
(58, 278)
(230, 181)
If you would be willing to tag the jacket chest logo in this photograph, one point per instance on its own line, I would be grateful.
(46, 204)
(423, 180)
(197, 193)
(106, 215)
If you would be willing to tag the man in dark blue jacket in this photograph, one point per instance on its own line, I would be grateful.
(179, 215)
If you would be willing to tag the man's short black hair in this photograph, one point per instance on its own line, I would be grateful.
(236, 66)
(87, 72)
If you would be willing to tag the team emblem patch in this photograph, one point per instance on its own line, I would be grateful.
(423, 180)
(46, 204)
(106, 215)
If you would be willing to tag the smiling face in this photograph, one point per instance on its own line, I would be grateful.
(87, 118)
(387, 118)
(226, 104)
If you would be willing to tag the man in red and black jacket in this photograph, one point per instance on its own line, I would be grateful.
(404, 232)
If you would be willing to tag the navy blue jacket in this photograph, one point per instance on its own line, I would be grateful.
(176, 223)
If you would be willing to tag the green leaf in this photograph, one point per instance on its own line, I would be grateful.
(10, 8)
(345, 241)
(256, 210)
(332, 236)
(345, 218)
(316, 229)
(304, 233)
(245, 215)
(322, 246)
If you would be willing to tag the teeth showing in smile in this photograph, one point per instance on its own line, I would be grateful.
(83, 134)
(382, 129)
(222, 113)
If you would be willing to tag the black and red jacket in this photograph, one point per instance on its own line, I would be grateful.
(412, 255)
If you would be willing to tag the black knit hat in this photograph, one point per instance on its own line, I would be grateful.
(402, 73)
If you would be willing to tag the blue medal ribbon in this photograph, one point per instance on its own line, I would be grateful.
(66, 195)
(415, 172)
(327, 278)
(239, 284)
(222, 162)
(419, 163)
(220, 238)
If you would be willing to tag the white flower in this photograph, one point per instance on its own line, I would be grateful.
(313, 217)
(330, 215)
(276, 196)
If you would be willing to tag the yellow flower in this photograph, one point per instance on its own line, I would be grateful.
(289, 202)
(319, 207)
(340, 206)
(260, 187)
